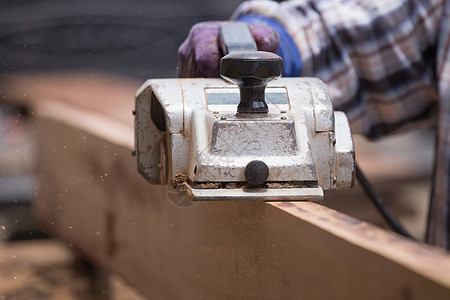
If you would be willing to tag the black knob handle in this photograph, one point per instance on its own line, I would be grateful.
(256, 172)
(251, 71)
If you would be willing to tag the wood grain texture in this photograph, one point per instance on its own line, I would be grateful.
(91, 195)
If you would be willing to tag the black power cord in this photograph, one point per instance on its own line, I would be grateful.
(391, 221)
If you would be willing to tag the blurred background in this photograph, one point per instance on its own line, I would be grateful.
(133, 37)
(136, 40)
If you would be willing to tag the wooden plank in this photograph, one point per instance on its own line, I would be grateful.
(91, 195)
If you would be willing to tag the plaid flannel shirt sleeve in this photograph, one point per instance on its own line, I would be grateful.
(386, 64)
(375, 56)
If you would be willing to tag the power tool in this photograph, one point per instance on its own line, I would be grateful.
(251, 135)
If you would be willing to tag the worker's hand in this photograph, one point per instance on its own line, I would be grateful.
(200, 54)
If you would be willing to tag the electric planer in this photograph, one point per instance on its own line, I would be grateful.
(249, 136)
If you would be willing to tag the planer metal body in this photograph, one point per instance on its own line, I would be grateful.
(210, 140)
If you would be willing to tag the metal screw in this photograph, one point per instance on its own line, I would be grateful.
(334, 180)
(133, 152)
(223, 118)
(283, 118)
(334, 140)
(283, 111)
(215, 112)
(133, 112)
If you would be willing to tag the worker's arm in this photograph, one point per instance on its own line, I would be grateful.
(378, 57)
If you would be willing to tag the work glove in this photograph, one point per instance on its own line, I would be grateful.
(200, 53)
